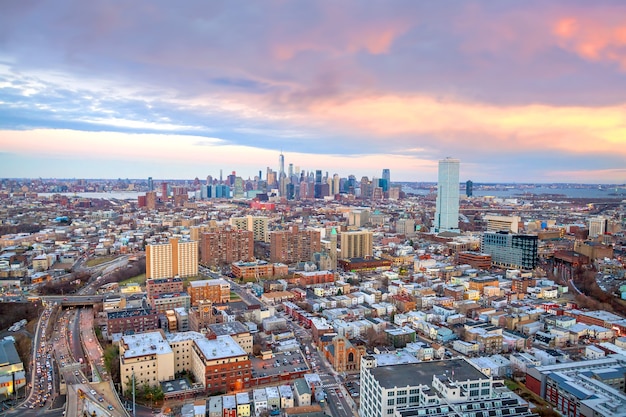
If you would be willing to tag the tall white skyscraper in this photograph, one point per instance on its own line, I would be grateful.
(447, 210)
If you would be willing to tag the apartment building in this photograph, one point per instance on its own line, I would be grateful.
(226, 246)
(294, 245)
(175, 258)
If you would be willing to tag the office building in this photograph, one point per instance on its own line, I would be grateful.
(226, 246)
(356, 244)
(172, 259)
(510, 250)
(258, 225)
(393, 384)
(294, 245)
(447, 205)
(497, 223)
(589, 388)
(214, 290)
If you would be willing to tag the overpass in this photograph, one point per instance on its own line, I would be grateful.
(74, 300)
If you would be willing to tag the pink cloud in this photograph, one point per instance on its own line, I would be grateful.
(595, 38)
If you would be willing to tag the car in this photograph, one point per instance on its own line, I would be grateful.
(92, 392)
(100, 399)
(110, 407)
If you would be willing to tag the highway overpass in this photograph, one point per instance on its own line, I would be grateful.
(74, 300)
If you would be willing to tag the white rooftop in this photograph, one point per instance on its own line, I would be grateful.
(222, 347)
(183, 336)
(398, 358)
(142, 344)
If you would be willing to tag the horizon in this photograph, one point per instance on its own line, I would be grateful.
(520, 92)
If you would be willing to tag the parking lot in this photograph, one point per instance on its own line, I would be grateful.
(281, 363)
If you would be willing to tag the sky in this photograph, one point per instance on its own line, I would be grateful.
(519, 91)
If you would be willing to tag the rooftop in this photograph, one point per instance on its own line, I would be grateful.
(206, 282)
(8, 353)
(142, 344)
(222, 347)
(422, 373)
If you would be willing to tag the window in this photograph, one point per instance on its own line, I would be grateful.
(390, 393)
(390, 401)
(402, 392)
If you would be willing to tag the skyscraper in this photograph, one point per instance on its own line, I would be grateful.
(447, 209)
(469, 188)
(150, 184)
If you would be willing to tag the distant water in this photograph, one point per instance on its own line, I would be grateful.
(567, 192)
(113, 195)
(612, 193)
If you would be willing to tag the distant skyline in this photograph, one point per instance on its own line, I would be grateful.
(521, 92)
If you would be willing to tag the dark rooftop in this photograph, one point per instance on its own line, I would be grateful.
(422, 373)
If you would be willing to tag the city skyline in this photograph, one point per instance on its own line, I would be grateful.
(520, 92)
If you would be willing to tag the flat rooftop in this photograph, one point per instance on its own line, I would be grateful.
(421, 373)
(142, 344)
(222, 347)
(207, 282)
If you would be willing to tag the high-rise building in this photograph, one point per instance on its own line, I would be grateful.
(150, 184)
(172, 259)
(511, 250)
(258, 225)
(366, 191)
(164, 191)
(151, 199)
(226, 246)
(356, 244)
(597, 226)
(447, 207)
(293, 245)
(469, 188)
(333, 250)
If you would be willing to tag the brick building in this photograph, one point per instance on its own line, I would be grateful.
(476, 259)
(214, 290)
(163, 286)
(294, 245)
(258, 269)
(132, 320)
(226, 246)
(221, 365)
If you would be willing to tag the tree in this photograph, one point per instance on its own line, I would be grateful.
(374, 338)
(339, 291)
(112, 361)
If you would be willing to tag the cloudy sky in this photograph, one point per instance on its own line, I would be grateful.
(521, 91)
